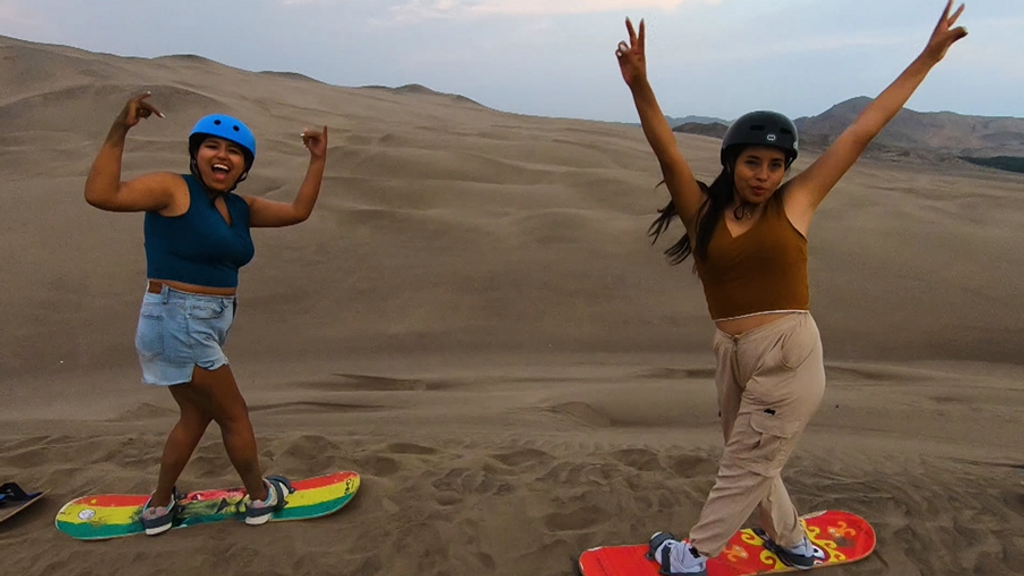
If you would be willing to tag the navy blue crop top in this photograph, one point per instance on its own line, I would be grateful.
(199, 247)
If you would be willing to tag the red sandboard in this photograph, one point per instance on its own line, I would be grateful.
(841, 538)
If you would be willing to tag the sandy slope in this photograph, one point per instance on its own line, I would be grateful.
(474, 320)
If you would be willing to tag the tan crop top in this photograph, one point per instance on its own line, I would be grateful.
(762, 270)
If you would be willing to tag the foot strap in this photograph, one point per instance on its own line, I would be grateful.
(788, 558)
(11, 492)
(656, 541)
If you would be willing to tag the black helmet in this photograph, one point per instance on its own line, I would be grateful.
(763, 128)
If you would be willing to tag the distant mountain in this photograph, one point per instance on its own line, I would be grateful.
(992, 141)
(713, 129)
(673, 122)
(962, 135)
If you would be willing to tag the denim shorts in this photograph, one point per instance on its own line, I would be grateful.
(178, 331)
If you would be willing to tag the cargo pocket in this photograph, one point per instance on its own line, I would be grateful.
(149, 335)
(772, 440)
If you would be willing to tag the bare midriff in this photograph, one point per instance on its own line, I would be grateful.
(737, 326)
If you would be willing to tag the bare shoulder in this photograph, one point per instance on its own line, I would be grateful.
(158, 183)
(798, 211)
(168, 186)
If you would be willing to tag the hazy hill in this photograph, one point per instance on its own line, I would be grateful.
(996, 142)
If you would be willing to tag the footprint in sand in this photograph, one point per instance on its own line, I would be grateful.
(380, 466)
(582, 412)
(690, 466)
(409, 448)
(486, 561)
(639, 459)
(523, 457)
(465, 481)
(583, 518)
(448, 498)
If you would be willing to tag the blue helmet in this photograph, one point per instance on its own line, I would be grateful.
(228, 128)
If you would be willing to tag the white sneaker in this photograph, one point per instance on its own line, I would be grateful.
(676, 558)
(259, 512)
(801, 556)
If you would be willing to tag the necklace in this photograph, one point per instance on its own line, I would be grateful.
(744, 211)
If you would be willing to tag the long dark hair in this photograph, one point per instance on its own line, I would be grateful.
(717, 198)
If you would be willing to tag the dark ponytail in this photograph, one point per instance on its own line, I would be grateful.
(717, 198)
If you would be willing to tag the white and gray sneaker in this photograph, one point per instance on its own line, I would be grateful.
(802, 556)
(675, 557)
(259, 512)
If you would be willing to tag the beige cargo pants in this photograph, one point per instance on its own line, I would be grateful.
(770, 383)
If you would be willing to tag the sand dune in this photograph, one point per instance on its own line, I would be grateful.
(474, 320)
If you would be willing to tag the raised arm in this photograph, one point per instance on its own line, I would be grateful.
(809, 188)
(104, 188)
(265, 213)
(686, 193)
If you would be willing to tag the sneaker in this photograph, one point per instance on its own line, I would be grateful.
(159, 519)
(675, 557)
(801, 556)
(655, 543)
(259, 512)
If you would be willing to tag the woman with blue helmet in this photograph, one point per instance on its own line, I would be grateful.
(196, 239)
(747, 232)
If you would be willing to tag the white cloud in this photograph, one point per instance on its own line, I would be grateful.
(809, 44)
(420, 9)
(14, 13)
(305, 2)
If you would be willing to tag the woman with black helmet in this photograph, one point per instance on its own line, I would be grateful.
(196, 239)
(748, 232)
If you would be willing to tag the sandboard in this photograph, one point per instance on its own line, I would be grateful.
(840, 538)
(106, 516)
(14, 499)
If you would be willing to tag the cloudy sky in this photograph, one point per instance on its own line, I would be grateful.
(556, 57)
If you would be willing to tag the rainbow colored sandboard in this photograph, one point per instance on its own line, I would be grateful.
(841, 538)
(106, 516)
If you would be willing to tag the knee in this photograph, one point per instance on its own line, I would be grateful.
(195, 420)
(205, 420)
(233, 416)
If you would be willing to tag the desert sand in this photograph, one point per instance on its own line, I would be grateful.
(475, 321)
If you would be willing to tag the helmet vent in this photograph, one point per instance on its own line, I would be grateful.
(758, 127)
(217, 122)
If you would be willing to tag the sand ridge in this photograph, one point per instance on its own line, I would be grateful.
(474, 320)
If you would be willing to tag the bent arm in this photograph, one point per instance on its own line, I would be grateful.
(810, 187)
(105, 190)
(686, 193)
(265, 213)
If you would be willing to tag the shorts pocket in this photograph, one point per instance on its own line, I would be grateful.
(211, 310)
(149, 335)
